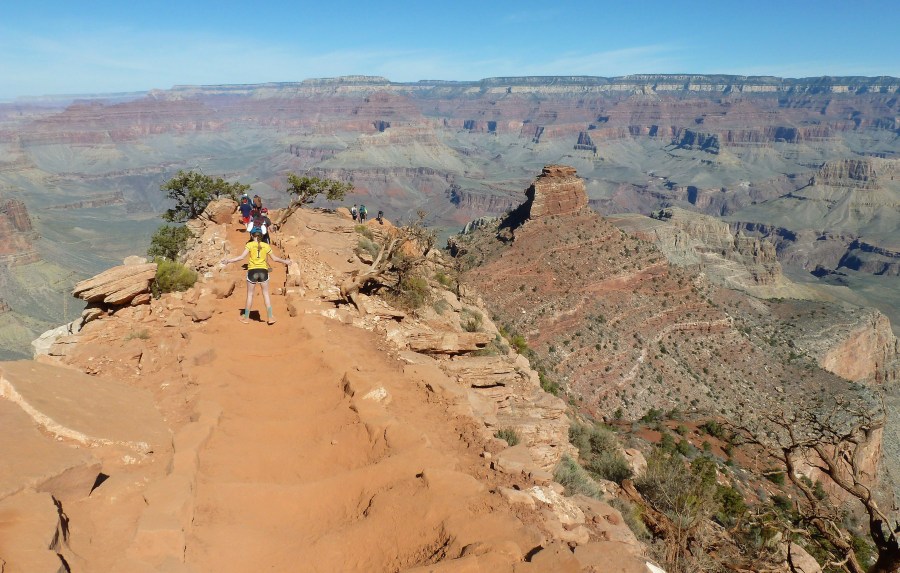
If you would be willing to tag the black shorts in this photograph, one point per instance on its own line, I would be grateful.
(257, 276)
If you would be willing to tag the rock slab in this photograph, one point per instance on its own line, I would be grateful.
(92, 411)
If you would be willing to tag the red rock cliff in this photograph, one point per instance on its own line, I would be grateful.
(556, 191)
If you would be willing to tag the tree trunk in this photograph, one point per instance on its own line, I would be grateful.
(888, 562)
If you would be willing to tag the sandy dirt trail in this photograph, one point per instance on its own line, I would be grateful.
(332, 456)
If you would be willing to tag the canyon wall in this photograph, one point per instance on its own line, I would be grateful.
(16, 234)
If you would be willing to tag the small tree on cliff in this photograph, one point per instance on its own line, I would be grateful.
(192, 192)
(833, 441)
(401, 251)
(304, 190)
(169, 241)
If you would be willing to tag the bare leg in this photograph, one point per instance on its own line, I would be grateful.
(268, 301)
(245, 318)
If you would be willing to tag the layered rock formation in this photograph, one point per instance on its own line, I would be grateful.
(689, 239)
(625, 330)
(556, 191)
(16, 234)
(858, 173)
(119, 286)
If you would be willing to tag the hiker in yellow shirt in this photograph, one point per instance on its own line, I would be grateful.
(257, 271)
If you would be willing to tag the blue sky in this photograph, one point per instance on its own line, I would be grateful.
(87, 46)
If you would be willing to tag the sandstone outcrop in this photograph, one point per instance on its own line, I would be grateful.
(70, 405)
(859, 173)
(118, 286)
(34, 535)
(556, 191)
(219, 210)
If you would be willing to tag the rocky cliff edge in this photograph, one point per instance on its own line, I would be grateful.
(342, 440)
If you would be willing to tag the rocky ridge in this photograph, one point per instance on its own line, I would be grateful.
(624, 332)
(393, 430)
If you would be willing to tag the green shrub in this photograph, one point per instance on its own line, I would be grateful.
(599, 451)
(575, 479)
(440, 306)
(684, 448)
(365, 231)
(364, 245)
(519, 343)
(172, 277)
(444, 279)
(714, 429)
(775, 476)
(548, 385)
(470, 320)
(610, 466)
(508, 435)
(652, 415)
(412, 292)
(632, 516)
(169, 241)
(782, 502)
(731, 505)
(685, 493)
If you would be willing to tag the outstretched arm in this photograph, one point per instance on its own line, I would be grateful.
(278, 259)
(236, 259)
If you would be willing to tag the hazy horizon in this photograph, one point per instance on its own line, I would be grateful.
(55, 48)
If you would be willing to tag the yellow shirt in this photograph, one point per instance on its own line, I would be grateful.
(258, 253)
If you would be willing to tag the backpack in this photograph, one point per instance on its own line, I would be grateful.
(258, 224)
(362, 210)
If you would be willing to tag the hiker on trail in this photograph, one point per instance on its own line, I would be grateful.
(246, 207)
(362, 213)
(257, 272)
(267, 224)
(380, 217)
(354, 212)
(257, 202)
(259, 221)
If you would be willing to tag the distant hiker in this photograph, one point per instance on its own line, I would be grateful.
(257, 202)
(380, 217)
(362, 213)
(267, 224)
(257, 272)
(246, 207)
(354, 212)
(259, 221)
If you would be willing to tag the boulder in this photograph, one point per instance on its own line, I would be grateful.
(603, 556)
(607, 523)
(447, 342)
(558, 558)
(32, 537)
(34, 461)
(219, 211)
(117, 286)
(802, 561)
(70, 405)
(636, 461)
(515, 460)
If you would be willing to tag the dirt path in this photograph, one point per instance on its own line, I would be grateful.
(332, 456)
